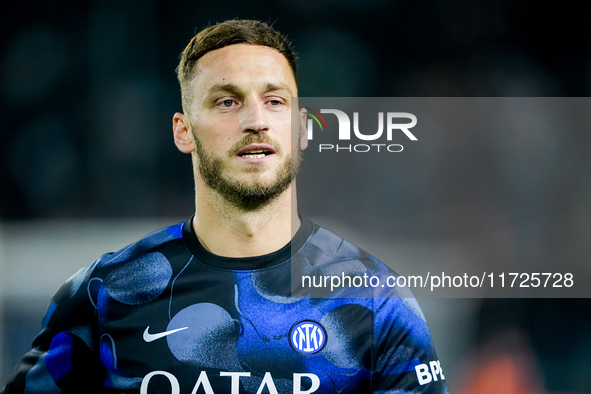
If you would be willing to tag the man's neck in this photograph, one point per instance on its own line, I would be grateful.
(226, 230)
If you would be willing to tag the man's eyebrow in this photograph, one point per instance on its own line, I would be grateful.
(231, 88)
(271, 87)
(227, 87)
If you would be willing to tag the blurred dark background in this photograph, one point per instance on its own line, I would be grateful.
(88, 89)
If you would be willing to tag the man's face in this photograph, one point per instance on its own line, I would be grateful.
(241, 121)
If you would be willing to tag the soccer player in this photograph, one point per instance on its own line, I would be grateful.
(216, 304)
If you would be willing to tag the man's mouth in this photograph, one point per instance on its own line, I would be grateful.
(259, 154)
(256, 151)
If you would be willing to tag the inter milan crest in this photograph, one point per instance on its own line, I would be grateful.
(307, 337)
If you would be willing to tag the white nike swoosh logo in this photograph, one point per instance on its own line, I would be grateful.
(152, 337)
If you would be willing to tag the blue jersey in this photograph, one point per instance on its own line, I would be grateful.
(164, 315)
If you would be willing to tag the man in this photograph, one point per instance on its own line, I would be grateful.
(215, 304)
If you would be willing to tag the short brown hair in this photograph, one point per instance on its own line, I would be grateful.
(237, 31)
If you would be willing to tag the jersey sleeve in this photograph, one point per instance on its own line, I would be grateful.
(405, 358)
(65, 356)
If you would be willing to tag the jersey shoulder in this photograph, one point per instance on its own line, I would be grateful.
(328, 251)
(145, 248)
(336, 268)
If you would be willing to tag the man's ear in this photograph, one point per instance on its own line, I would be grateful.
(181, 129)
(303, 129)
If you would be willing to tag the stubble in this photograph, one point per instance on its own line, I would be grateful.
(252, 193)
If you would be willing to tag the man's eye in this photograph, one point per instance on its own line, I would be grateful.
(227, 103)
(275, 102)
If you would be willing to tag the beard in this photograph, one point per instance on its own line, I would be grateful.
(246, 194)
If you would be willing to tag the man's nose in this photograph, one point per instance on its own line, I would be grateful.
(254, 119)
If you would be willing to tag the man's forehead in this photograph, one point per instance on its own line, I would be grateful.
(244, 63)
